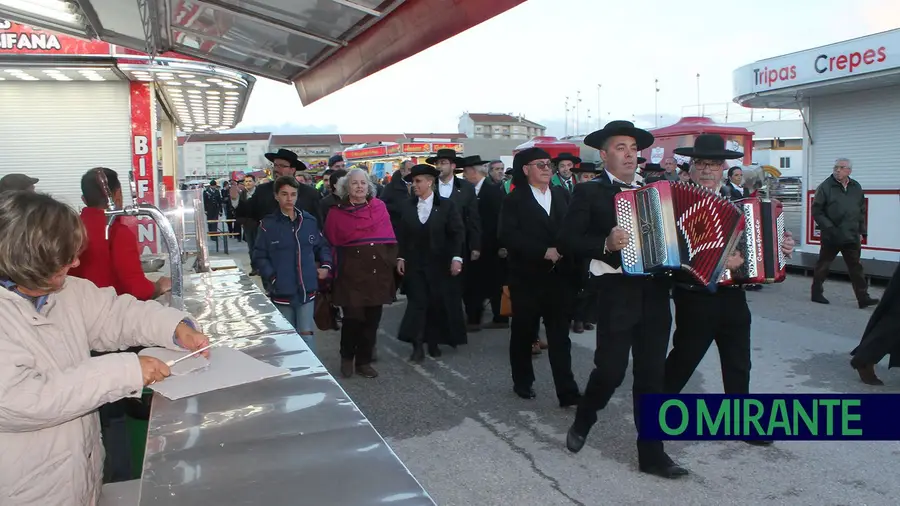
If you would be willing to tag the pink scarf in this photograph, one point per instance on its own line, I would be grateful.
(349, 225)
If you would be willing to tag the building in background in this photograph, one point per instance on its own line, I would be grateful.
(779, 144)
(312, 149)
(208, 156)
(499, 126)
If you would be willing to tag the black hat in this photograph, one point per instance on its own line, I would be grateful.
(587, 167)
(654, 167)
(684, 166)
(213, 182)
(619, 127)
(282, 154)
(527, 156)
(566, 156)
(445, 154)
(709, 147)
(641, 160)
(338, 158)
(12, 182)
(423, 169)
(471, 161)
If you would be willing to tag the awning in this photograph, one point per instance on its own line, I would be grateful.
(320, 46)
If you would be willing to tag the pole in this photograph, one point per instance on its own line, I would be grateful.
(567, 116)
(599, 114)
(588, 117)
(656, 103)
(577, 110)
(698, 93)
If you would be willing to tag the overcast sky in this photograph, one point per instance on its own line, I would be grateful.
(529, 59)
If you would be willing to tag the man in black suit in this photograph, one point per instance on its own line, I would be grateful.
(541, 275)
(263, 202)
(397, 192)
(634, 310)
(462, 193)
(483, 278)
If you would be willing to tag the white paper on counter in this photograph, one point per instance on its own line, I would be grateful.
(227, 368)
(187, 366)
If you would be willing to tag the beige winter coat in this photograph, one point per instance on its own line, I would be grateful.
(50, 387)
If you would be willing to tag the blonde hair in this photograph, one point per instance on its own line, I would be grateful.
(39, 236)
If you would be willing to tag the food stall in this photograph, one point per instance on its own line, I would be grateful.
(384, 158)
(849, 98)
(297, 438)
(683, 133)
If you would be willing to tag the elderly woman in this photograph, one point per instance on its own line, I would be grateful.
(360, 230)
(50, 386)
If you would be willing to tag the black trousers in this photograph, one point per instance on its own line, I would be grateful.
(851, 253)
(250, 234)
(482, 282)
(358, 333)
(700, 319)
(552, 301)
(587, 305)
(634, 317)
(117, 466)
(425, 319)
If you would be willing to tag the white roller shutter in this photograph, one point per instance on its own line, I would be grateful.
(55, 131)
(863, 126)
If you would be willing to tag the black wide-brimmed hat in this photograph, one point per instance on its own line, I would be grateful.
(643, 138)
(587, 167)
(282, 154)
(445, 154)
(641, 160)
(653, 167)
(709, 147)
(566, 156)
(470, 161)
(423, 169)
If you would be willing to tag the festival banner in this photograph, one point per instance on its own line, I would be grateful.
(21, 39)
(779, 417)
(454, 146)
(417, 147)
(352, 154)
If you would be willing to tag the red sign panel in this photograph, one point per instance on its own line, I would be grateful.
(365, 152)
(454, 146)
(420, 147)
(393, 150)
(142, 161)
(814, 233)
(21, 39)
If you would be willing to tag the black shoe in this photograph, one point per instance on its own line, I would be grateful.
(253, 273)
(819, 298)
(578, 327)
(575, 439)
(759, 442)
(418, 354)
(866, 373)
(868, 301)
(434, 350)
(569, 400)
(664, 467)
(525, 392)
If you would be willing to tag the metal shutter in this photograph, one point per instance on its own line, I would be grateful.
(863, 126)
(55, 131)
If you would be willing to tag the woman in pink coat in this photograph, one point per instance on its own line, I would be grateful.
(50, 386)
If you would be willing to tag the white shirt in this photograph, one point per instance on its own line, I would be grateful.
(478, 186)
(424, 208)
(445, 189)
(740, 189)
(545, 199)
(597, 267)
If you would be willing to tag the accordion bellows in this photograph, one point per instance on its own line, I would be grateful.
(674, 226)
(760, 244)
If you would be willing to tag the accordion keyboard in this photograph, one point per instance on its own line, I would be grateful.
(624, 212)
(782, 261)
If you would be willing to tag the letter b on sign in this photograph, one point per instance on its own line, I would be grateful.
(141, 146)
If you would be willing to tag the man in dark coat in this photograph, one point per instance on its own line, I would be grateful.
(540, 274)
(212, 206)
(397, 192)
(431, 238)
(635, 315)
(462, 193)
(839, 209)
(653, 172)
(263, 202)
(483, 277)
(586, 302)
(882, 335)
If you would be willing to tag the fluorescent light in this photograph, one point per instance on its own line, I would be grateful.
(212, 92)
(194, 92)
(53, 9)
(173, 83)
(187, 76)
(233, 93)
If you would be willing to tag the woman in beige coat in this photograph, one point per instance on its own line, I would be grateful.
(50, 387)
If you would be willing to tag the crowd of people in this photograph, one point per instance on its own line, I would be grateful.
(538, 243)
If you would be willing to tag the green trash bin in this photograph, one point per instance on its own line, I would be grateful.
(137, 421)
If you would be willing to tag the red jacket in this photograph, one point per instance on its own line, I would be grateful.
(116, 262)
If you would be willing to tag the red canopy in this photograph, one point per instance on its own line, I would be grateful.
(551, 145)
(683, 133)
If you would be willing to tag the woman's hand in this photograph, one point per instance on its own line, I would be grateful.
(153, 369)
(190, 339)
(401, 266)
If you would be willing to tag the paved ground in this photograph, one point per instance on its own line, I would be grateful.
(470, 441)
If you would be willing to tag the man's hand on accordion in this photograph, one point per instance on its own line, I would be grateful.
(734, 261)
(617, 239)
(787, 247)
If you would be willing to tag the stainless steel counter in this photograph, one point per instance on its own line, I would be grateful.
(297, 440)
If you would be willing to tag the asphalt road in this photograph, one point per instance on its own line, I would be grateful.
(469, 440)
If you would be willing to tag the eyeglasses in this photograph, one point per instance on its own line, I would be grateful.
(709, 164)
(542, 165)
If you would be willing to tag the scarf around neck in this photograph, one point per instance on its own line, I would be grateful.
(349, 225)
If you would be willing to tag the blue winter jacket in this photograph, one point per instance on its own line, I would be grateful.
(286, 252)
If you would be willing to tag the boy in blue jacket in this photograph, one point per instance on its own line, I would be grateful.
(292, 255)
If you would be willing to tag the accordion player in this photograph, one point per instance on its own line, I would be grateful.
(675, 226)
(760, 245)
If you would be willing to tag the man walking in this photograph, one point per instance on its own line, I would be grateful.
(839, 209)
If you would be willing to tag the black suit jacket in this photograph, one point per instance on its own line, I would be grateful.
(490, 201)
(263, 202)
(394, 196)
(728, 191)
(463, 196)
(592, 215)
(526, 231)
(445, 229)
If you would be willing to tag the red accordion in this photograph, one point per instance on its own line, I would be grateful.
(764, 261)
(678, 226)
